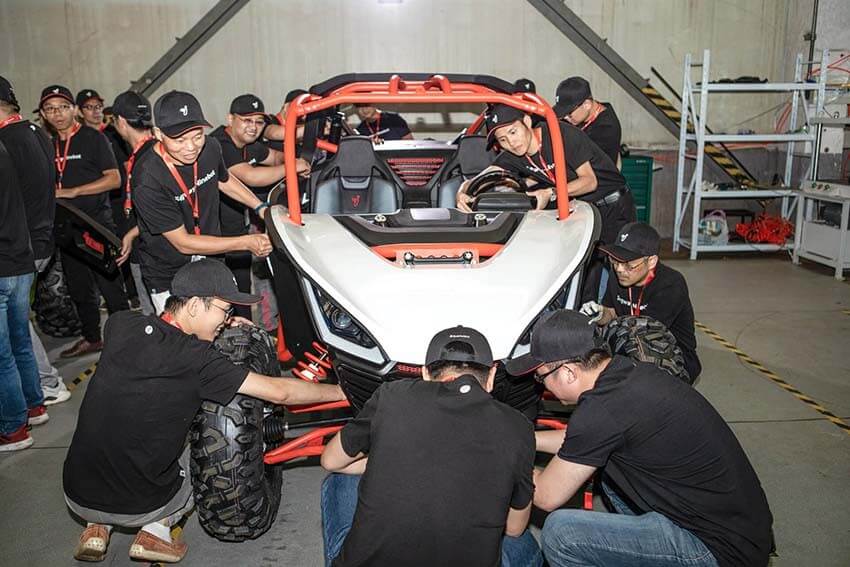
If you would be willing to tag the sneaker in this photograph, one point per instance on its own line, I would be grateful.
(80, 348)
(148, 547)
(92, 545)
(16, 440)
(57, 394)
(37, 415)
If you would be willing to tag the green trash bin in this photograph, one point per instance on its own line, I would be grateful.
(638, 173)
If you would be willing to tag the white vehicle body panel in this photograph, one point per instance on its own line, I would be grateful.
(403, 307)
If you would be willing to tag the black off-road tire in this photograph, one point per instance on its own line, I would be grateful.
(236, 495)
(55, 313)
(647, 340)
(520, 392)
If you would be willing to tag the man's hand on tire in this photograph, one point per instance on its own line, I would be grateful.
(593, 310)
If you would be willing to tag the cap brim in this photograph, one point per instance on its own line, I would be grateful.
(620, 254)
(523, 365)
(563, 109)
(55, 95)
(178, 130)
(252, 113)
(240, 298)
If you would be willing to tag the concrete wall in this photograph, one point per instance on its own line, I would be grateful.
(273, 46)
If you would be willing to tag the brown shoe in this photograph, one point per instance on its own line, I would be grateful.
(93, 542)
(80, 348)
(148, 547)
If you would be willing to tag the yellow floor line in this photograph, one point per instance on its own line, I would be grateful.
(83, 376)
(773, 377)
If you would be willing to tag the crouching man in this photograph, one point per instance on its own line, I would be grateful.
(128, 464)
(448, 479)
(682, 487)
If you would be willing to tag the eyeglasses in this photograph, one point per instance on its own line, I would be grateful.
(540, 378)
(258, 122)
(92, 107)
(227, 312)
(56, 109)
(627, 266)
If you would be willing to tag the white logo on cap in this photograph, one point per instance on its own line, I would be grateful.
(623, 237)
(494, 118)
(527, 85)
(255, 104)
(88, 93)
(458, 336)
(557, 98)
(56, 91)
(184, 110)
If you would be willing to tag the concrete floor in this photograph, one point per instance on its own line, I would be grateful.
(791, 319)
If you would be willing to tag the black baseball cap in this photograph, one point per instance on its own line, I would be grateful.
(7, 93)
(635, 240)
(246, 105)
(291, 95)
(54, 91)
(87, 94)
(560, 335)
(132, 106)
(524, 86)
(569, 94)
(209, 278)
(500, 115)
(176, 112)
(437, 351)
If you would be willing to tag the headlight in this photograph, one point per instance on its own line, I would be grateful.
(342, 324)
(565, 296)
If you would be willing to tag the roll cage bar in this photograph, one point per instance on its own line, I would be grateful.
(440, 89)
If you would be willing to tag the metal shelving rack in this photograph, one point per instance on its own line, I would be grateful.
(698, 118)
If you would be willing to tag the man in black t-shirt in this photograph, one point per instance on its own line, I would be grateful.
(175, 190)
(32, 155)
(448, 475)
(682, 486)
(128, 460)
(575, 104)
(85, 173)
(591, 175)
(640, 285)
(255, 165)
(381, 125)
(21, 399)
(132, 121)
(275, 132)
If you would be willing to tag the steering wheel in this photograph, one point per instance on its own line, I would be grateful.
(500, 181)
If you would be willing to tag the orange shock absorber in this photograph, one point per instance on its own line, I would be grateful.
(317, 367)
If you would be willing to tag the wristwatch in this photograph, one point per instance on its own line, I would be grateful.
(259, 208)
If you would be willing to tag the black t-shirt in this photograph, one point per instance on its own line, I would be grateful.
(665, 299)
(605, 132)
(578, 149)
(446, 462)
(89, 155)
(122, 153)
(232, 212)
(32, 155)
(133, 422)
(16, 256)
(668, 450)
(161, 207)
(395, 125)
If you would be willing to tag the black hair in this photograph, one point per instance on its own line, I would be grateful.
(591, 359)
(138, 124)
(440, 367)
(176, 302)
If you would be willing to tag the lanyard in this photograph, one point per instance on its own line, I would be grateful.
(195, 201)
(131, 161)
(592, 118)
(542, 167)
(102, 127)
(62, 163)
(377, 128)
(635, 309)
(11, 120)
(170, 320)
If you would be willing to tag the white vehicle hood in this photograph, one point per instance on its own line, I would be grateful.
(403, 307)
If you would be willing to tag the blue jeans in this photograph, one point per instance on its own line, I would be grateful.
(339, 500)
(578, 537)
(20, 387)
